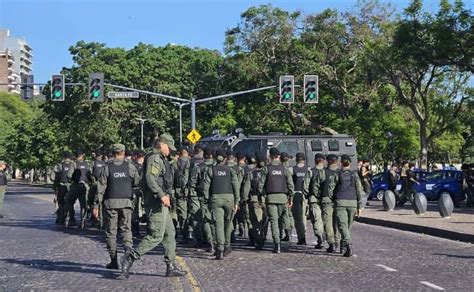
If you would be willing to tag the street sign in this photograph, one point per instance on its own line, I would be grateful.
(194, 136)
(123, 94)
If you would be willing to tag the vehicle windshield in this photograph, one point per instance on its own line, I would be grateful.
(248, 147)
(437, 175)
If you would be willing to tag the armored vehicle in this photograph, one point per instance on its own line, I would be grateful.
(308, 144)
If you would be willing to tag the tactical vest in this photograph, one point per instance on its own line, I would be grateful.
(82, 166)
(119, 182)
(178, 176)
(97, 168)
(346, 187)
(298, 177)
(3, 178)
(65, 166)
(201, 169)
(276, 180)
(329, 174)
(256, 174)
(221, 181)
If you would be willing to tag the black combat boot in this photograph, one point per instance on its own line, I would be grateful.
(173, 271)
(211, 248)
(348, 251)
(320, 243)
(127, 262)
(219, 255)
(113, 265)
(227, 251)
(331, 248)
(301, 241)
(287, 235)
(276, 248)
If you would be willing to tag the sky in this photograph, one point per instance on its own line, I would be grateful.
(52, 26)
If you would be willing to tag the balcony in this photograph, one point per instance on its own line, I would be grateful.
(11, 78)
(11, 61)
(26, 60)
(26, 66)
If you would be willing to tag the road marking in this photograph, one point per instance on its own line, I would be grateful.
(431, 285)
(388, 269)
(190, 276)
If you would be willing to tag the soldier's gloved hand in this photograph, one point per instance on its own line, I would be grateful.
(165, 200)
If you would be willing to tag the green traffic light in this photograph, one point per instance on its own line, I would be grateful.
(95, 94)
(57, 94)
(287, 95)
(311, 96)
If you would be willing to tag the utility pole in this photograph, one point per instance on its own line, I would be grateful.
(180, 105)
(142, 122)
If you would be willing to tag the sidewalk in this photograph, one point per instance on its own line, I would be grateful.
(460, 226)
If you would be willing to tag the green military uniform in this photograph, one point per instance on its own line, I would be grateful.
(193, 203)
(276, 184)
(312, 191)
(239, 172)
(346, 191)
(298, 210)
(160, 225)
(202, 218)
(256, 206)
(116, 187)
(181, 177)
(158, 185)
(3, 185)
(137, 203)
(94, 199)
(289, 222)
(62, 182)
(221, 188)
(331, 226)
(78, 191)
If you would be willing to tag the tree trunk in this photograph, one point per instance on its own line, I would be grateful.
(423, 146)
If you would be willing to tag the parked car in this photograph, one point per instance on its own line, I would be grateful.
(380, 184)
(442, 181)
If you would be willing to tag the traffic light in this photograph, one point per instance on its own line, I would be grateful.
(311, 92)
(26, 86)
(96, 87)
(287, 89)
(57, 87)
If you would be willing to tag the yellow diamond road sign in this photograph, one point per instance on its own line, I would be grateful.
(194, 136)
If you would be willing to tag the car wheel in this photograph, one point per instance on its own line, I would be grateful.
(379, 195)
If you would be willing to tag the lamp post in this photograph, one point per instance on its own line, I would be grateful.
(142, 122)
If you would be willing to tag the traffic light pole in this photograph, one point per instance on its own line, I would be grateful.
(194, 101)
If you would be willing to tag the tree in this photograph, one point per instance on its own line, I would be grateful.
(430, 79)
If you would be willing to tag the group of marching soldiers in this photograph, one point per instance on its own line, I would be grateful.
(208, 197)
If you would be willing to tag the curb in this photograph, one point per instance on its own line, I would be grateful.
(469, 238)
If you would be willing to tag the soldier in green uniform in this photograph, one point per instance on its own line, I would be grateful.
(194, 204)
(3, 184)
(173, 161)
(256, 203)
(203, 228)
(298, 210)
(289, 222)
(62, 182)
(138, 211)
(158, 184)
(93, 196)
(312, 191)
(221, 188)
(78, 190)
(276, 184)
(181, 177)
(116, 183)
(346, 191)
(243, 218)
(230, 161)
(245, 198)
(331, 227)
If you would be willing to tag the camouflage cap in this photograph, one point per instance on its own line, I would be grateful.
(3, 162)
(168, 140)
(118, 147)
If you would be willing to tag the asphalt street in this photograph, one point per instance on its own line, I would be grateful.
(37, 254)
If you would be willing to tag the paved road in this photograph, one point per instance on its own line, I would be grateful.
(37, 254)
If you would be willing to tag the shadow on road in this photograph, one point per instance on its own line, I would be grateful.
(456, 256)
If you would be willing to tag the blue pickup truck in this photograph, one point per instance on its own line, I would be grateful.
(432, 184)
